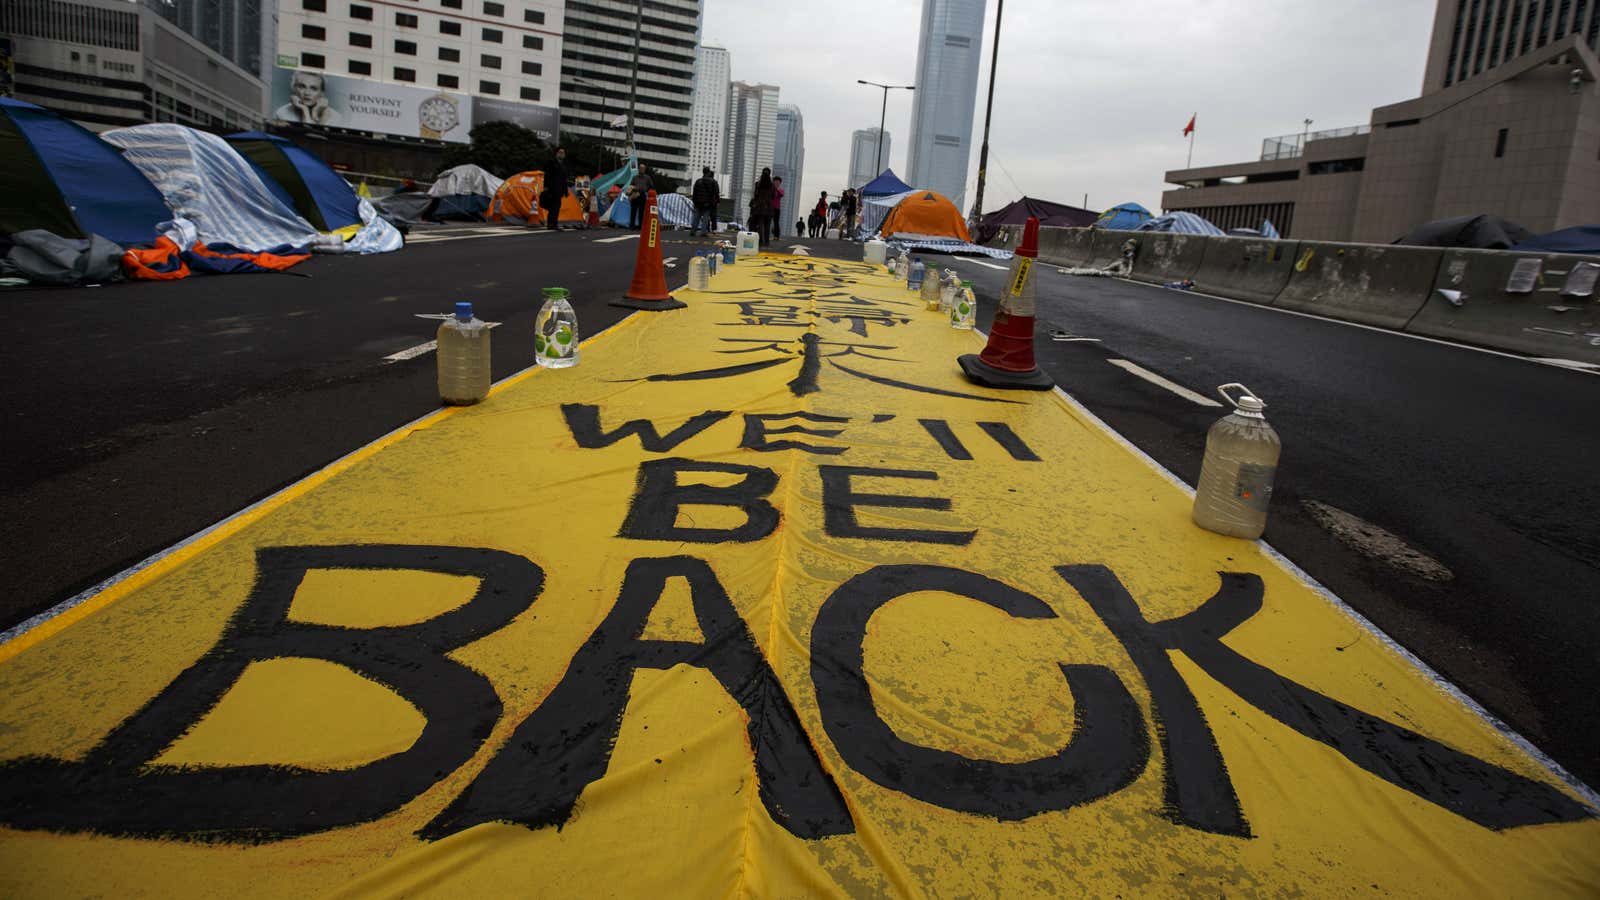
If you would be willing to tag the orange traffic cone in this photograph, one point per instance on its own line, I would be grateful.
(648, 290)
(1007, 361)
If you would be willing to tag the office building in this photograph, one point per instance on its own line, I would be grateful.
(1471, 39)
(948, 52)
(234, 29)
(708, 123)
(751, 140)
(788, 163)
(112, 63)
(597, 73)
(867, 156)
(1516, 140)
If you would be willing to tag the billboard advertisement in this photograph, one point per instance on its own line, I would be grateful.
(545, 121)
(314, 98)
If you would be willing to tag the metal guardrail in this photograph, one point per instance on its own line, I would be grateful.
(1288, 146)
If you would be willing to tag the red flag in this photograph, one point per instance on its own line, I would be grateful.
(1187, 129)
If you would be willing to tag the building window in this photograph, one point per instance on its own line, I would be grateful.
(529, 93)
(357, 39)
(494, 9)
(450, 4)
(314, 5)
(313, 60)
(489, 62)
(493, 35)
(532, 68)
(405, 48)
(532, 42)
(449, 54)
(448, 27)
(358, 11)
(533, 17)
(488, 87)
(310, 32)
(449, 81)
(357, 67)
(405, 20)
(1500, 143)
(404, 74)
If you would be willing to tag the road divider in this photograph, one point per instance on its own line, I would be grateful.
(1253, 269)
(1168, 257)
(1374, 284)
(1540, 304)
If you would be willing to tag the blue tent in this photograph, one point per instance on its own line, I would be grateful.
(1180, 223)
(318, 193)
(56, 175)
(1124, 217)
(1577, 239)
(885, 184)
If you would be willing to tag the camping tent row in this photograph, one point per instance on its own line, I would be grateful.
(470, 193)
(920, 220)
(252, 192)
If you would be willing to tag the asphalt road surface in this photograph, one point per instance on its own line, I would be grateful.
(140, 414)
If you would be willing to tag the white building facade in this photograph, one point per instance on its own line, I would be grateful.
(506, 52)
(864, 154)
(788, 163)
(597, 73)
(751, 140)
(708, 124)
(948, 58)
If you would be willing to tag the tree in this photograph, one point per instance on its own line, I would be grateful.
(587, 156)
(503, 148)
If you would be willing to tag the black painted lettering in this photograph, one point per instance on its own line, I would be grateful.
(116, 790)
(1109, 746)
(839, 502)
(1009, 441)
(653, 515)
(566, 743)
(583, 421)
(1200, 794)
(756, 433)
(940, 431)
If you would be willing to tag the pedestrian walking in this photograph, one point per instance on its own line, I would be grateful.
(555, 188)
(847, 209)
(706, 195)
(638, 192)
(777, 206)
(819, 216)
(761, 206)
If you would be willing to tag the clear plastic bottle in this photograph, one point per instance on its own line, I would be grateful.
(932, 290)
(463, 358)
(949, 286)
(713, 264)
(964, 309)
(917, 271)
(699, 273)
(555, 339)
(1236, 474)
(893, 261)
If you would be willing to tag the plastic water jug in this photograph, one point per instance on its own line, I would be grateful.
(729, 255)
(949, 286)
(931, 291)
(964, 310)
(749, 243)
(1236, 473)
(915, 273)
(699, 273)
(874, 252)
(555, 339)
(463, 358)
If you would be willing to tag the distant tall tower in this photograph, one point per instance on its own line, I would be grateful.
(708, 125)
(947, 89)
(788, 163)
(864, 155)
(752, 135)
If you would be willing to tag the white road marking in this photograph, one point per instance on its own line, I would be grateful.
(422, 349)
(1568, 363)
(625, 237)
(990, 265)
(427, 238)
(1158, 381)
(670, 262)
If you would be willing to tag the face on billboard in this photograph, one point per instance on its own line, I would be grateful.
(313, 98)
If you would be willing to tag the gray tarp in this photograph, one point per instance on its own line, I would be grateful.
(46, 258)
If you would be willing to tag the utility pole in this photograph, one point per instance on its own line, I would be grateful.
(988, 113)
(633, 87)
(877, 166)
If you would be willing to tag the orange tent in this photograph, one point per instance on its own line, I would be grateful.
(926, 213)
(518, 198)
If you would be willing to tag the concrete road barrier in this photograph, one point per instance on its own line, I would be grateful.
(1065, 246)
(1167, 257)
(1540, 304)
(1375, 284)
(1253, 269)
(1108, 246)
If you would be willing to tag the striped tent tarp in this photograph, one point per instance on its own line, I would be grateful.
(947, 245)
(1181, 223)
(675, 210)
(205, 181)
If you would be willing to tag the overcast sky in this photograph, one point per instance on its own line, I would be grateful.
(1091, 95)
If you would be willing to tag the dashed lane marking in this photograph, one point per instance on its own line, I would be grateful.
(613, 240)
(421, 349)
(1158, 381)
(988, 265)
(432, 238)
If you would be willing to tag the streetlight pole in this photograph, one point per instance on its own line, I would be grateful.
(877, 165)
(988, 113)
(1303, 135)
(633, 87)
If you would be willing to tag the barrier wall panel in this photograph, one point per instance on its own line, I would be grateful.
(1375, 284)
(1168, 257)
(1252, 269)
(1539, 304)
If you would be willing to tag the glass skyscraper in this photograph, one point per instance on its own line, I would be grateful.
(947, 89)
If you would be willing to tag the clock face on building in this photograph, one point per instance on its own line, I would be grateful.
(438, 114)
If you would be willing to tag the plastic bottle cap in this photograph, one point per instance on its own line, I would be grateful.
(966, 284)
(555, 293)
(1247, 402)
(464, 311)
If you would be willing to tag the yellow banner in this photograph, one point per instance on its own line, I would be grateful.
(763, 597)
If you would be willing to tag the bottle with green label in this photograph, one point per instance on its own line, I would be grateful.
(1236, 474)
(964, 308)
(555, 339)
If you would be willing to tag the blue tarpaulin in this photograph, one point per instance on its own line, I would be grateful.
(1181, 223)
(92, 186)
(330, 194)
(1577, 239)
(1124, 217)
(886, 183)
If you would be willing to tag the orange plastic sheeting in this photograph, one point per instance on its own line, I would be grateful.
(519, 198)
